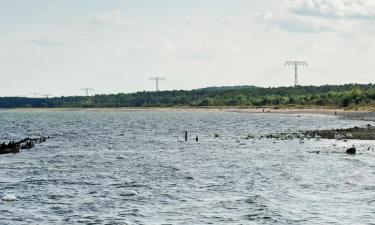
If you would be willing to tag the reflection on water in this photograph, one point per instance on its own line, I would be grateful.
(135, 168)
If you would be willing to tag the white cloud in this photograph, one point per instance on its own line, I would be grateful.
(345, 9)
(217, 46)
(112, 18)
(47, 42)
(295, 23)
(317, 47)
(233, 20)
(195, 22)
(368, 48)
(315, 16)
(42, 38)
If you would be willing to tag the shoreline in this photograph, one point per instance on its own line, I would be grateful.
(357, 115)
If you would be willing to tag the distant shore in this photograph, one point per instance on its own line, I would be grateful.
(350, 114)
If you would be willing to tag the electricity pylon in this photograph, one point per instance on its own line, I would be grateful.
(296, 64)
(87, 90)
(157, 79)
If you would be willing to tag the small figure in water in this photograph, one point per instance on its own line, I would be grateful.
(196, 139)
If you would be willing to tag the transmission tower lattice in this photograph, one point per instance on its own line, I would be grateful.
(157, 79)
(296, 64)
(87, 90)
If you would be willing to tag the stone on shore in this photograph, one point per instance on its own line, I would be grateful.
(351, 151)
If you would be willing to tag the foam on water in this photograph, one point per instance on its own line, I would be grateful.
(9, 198)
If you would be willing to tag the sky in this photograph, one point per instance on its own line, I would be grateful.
(57, 47)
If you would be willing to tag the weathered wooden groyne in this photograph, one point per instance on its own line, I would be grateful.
(14, 147)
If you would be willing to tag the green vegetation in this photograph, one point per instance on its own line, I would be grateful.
(329, 96)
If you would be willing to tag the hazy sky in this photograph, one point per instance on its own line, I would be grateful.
(59, 46)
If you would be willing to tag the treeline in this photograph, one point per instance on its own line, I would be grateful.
(350, 95)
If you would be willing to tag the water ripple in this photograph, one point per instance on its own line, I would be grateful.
(78, 176)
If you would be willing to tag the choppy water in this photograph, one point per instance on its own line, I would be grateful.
(135, 168)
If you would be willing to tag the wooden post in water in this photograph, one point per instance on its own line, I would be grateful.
(186, 136)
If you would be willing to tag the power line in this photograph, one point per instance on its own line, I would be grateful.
(296, 64)
(87, 90)
(34, 94)
(47, 95)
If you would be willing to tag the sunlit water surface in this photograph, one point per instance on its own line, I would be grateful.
(135, 168)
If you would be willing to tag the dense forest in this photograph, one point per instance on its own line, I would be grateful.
(338, 96)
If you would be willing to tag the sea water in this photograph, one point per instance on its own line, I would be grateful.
(116, 167)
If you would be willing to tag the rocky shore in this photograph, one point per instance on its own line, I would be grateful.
(355, 133)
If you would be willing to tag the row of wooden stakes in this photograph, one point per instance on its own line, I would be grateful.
(14, 147)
